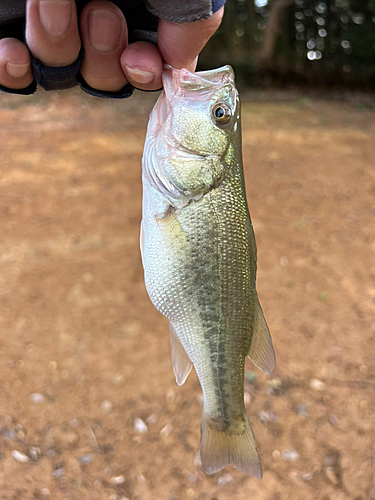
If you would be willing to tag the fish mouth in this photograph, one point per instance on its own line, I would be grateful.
(184, 78)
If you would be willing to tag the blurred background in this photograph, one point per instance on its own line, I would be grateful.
(89, 408)
(293, 43)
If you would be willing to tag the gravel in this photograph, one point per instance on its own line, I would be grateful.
(317, 385)
(58, 472)
(290, 455)
(302, 410)
(86, 459)
(37, 398)
(117, 480)
(20, 457)
(139, 426)
(267, 416)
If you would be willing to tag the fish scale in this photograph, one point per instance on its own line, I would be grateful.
(199, 255)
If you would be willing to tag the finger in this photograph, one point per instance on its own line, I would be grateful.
(143, 65)
(52, 31)
(104, 37)
(180, 44)
(15, 68)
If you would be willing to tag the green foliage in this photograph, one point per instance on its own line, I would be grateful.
(320, 41)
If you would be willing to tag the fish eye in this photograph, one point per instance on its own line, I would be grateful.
(221, 113)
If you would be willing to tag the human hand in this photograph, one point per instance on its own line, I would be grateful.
(109, 63)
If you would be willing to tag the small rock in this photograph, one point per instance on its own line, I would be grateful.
(302, 410)
(307, 476)
(118, 379)
(37, 398)
(225, 479)
(331, 475)
(267, 416)
(106, 406)
(247, 398)
(283, 261)
(45, 492)
(197, 459)
(20, 457)
(294, 475)
(112, 496)
(274, 386)
(86, 459)
(141, 478)
(18, 428)
(58, 472)
(97, 483)
(139, 426)
(200, 398)
(166, 430)
(74, 422)
(35, 453)
(333, 419)
(317, 385)
(170, 396)
(250, 376)
(152, 419)
(276, 454)
(117, 480)
(8, 433)
(290, 455)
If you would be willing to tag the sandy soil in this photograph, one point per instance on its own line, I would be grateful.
(83, 353)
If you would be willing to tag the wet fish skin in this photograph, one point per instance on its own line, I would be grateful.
(199, 255)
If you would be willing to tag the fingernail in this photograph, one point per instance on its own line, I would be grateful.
(17, 70)
(140, 76)
(54, 16)
(104, 30)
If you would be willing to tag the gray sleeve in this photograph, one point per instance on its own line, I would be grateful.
(180, 11)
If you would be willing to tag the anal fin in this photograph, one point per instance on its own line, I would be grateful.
(180, 360)
(261, 351)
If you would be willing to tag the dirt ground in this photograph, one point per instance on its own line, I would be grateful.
(83, 353)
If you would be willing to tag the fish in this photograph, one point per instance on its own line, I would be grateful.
(199, 254)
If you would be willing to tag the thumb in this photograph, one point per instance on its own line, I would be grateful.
(180, 44)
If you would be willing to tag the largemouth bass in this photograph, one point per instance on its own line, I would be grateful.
(199, 254)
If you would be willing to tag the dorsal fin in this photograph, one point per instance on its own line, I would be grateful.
(261, 351)
(180, 361)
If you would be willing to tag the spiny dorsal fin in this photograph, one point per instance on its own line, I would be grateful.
(261, 351)
(180, 361)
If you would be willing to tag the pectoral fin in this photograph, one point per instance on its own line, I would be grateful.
(180, 361)
(261, 350)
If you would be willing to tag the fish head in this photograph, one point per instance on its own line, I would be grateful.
(190, 130)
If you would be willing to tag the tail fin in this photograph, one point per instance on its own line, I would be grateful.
(229, 445)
